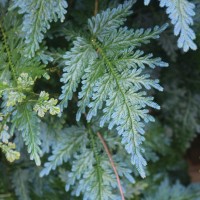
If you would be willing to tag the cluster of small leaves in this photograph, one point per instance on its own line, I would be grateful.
(24, 119)
(8, 148)
(25, 122)
(17, 96)
(10, 152)
(111, 69)
(18, 76)
(44, 104)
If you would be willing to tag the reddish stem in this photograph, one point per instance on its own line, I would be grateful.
(96, 7)
(112, 164)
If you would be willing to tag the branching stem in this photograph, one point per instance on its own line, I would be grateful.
(112, 164)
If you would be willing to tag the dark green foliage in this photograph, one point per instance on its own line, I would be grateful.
(77, 77)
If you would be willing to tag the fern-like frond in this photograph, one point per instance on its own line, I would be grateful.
(102, 23)
(26, 121)
(12, 62)
(90, 185)
(91, 176)
(69, 144)
(49, 137)
(17, 76)
(181, 13)
(37, 18)
(124, 38)
(82, 162)
(97, 184)
(77, 60)
(135, 60)
(113, 79)
(88, 80)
